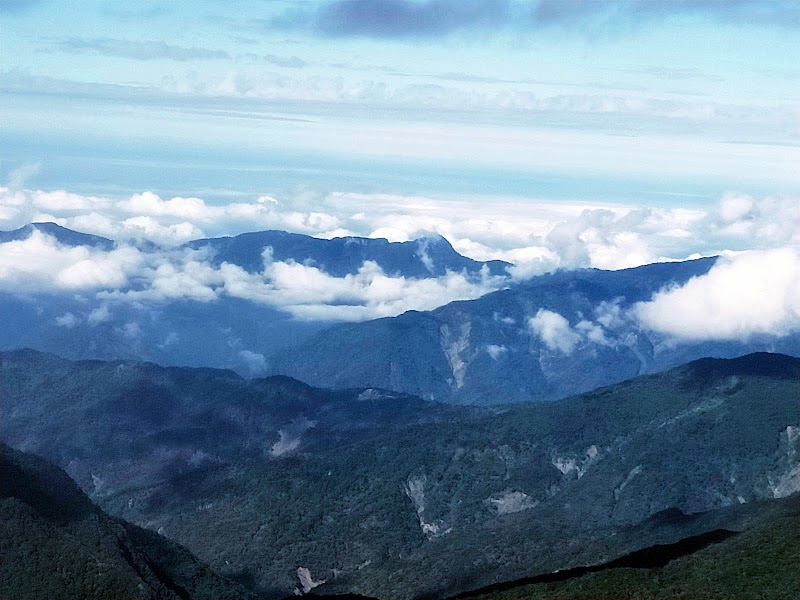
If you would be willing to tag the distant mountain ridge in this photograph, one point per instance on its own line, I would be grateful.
(425, 257)
(485, 351)
(228, 332)
(431, 256)
(65, 236)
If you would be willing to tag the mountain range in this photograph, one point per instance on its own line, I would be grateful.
(228, 332)
(426, 257)
(542, 440)
(543, 338)
(488, 350)
(283, 486)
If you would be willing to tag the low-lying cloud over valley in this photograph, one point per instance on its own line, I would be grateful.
(753, 290)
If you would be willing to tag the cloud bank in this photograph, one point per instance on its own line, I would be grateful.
(536, 236)
(126, 274)
(743, 296)
(40, 264)
(752, 291)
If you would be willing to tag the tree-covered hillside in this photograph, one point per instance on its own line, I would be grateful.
(759, 563)
(390, 496)
(55, 544)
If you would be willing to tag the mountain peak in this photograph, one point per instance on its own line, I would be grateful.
(64, 236)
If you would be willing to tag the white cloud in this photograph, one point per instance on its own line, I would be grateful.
(40, 264)
(150, 204)
(147, 216)
(735, 206)
(309, 293)
(148, 228)
(495, 351)
(555, 331)
(67, 320)
(559, 336)
(537, 236)
(131, 330)
(611, 315)
(256, 363)
(744, 295)
(593, 332)
(99, 315)
(304, 291)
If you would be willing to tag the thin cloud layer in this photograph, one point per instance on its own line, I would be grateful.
(138, 50)
(408, 18)
(436, 18)
(614, 16)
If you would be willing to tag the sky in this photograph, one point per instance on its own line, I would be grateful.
(549, 133)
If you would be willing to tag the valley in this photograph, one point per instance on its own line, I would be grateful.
(282, 486)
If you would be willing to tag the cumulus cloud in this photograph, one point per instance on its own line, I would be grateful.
(67, 320)
(255, 362)
(748, 294)
(495, 351)
(610, 328)
(99, 315)
(40, 264)
(536, 236)
(147, 216)
(734, 207)
(554, 331)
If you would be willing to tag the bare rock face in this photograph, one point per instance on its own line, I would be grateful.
(307, 582)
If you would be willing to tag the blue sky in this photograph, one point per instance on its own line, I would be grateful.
(626, 101)
(489, 108)
(548, 133)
